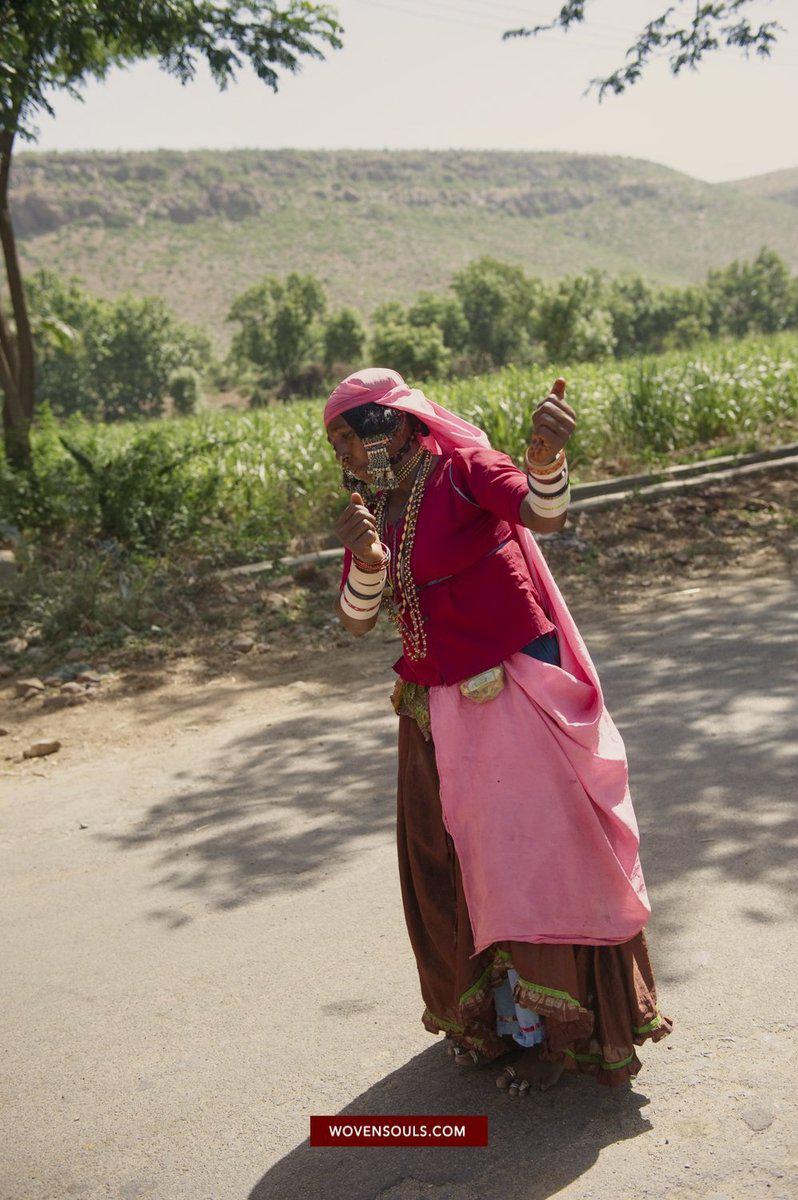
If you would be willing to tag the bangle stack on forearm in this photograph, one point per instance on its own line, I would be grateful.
(362, 593)
(549, 486)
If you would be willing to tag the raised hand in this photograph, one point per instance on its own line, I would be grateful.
(357, 530)
(553, 422)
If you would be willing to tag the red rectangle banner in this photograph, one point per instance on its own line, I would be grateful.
(392, 1130)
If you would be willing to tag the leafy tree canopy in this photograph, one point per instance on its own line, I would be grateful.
(685, 39)
(50, 46)
(59, 45)
(279, 324)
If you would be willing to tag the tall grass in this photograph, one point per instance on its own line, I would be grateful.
(234, 486)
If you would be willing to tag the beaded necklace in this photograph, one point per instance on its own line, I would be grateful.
(406, 612)
(407, 470)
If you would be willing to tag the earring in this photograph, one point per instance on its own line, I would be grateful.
(349, 482)
(379, 462)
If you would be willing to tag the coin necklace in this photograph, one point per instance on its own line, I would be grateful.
(406, 612)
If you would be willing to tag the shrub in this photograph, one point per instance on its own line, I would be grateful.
(498, 303)
(120, 356)
(307, 382)
(757, 297)
(184, 388)
(446, 312)
(574, 321)
(280, 328)
(417, 352)
(344, 336)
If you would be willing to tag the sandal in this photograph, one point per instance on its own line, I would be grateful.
(466, 1057)
(508, 1082)
(463, 1055)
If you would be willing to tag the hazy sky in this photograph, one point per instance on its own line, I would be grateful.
(435, 73)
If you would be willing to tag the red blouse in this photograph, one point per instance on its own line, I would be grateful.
(476, 595)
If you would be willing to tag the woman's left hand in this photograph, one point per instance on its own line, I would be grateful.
(554, 419)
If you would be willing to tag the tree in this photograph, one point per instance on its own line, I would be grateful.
(390, 312)
(280, 324)
(184, 388)
(140, 347)
(498, 303)
(415, 351)
(647, 320)
(344, 337)
(64, 376)
(713, 26)
(756, 297)
(575, 322)
(430, 308)
(47, 46)
(118, 355)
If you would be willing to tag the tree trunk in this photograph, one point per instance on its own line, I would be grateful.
(17, 363)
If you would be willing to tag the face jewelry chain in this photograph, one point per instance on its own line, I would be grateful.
(414, 635)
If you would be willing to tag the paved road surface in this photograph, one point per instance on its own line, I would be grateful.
(221, 951)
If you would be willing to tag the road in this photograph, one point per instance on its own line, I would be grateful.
(204, 942)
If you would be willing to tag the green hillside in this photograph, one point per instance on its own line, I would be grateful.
(781, 186)
(199, 227)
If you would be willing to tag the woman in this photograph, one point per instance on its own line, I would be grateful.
(518, 845)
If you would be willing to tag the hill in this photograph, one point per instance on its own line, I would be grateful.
(778, 185)
(199, 227)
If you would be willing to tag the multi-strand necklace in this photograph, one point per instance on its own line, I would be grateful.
(405, 612)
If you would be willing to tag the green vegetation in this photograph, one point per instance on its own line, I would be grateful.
(284, 328)
(109, 360)
(228, 487)
(119, 524)
(114, 359)
(495, 315)
(185, 389)
(199, 228)
(58, 48)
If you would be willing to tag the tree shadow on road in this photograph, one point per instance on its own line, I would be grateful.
(536, 1144)
(298, 797)
(703, 696)
(705, 699)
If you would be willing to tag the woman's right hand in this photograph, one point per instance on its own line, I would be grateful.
(357, 530)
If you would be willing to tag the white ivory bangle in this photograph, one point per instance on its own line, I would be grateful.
(366, 581)
(553, 500)
(362, 593)
(358, 614)
(551, 508)
(549, 488)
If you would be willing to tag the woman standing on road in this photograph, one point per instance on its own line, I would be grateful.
(518, 845)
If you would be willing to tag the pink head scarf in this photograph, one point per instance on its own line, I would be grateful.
(381, 385)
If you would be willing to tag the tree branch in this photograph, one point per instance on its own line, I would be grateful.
(11, 392)
(715, 25)
(7, 344)
(16, 288)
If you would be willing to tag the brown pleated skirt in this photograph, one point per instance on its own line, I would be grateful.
(598, 1002)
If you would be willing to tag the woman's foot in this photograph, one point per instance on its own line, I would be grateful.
(530, 1071)
(465, 1057)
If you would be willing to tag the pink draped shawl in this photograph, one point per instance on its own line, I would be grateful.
(534, 783)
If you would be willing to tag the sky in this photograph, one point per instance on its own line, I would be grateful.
(435, 74)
